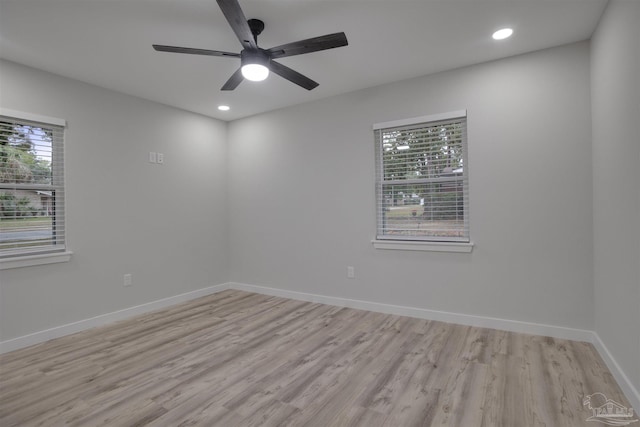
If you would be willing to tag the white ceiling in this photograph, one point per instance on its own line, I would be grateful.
(108, 43)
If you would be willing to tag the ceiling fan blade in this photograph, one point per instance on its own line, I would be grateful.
(233, 82)
(292, 75)
(190, 50)
(232, 11)
(314, 44)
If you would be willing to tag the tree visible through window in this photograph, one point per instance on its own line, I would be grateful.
(422, 183)
(31, 187)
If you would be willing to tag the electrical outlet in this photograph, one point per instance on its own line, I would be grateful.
(160, 158)
(153, 158)
(128, 280)
(351, 272)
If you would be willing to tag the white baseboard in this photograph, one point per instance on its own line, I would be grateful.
(621, 378)
(421, 313)
(103, 319)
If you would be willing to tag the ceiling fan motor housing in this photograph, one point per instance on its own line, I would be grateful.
(258, 56)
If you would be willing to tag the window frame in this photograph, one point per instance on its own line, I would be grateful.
(414, 242)
(58, 252)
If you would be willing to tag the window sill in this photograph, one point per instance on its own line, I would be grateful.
(409, 245)
(30, 260)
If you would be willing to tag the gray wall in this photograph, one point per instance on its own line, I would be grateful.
(165, 224)
(301, 189)
(615, 61)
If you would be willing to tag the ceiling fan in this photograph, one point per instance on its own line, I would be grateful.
(257, 62)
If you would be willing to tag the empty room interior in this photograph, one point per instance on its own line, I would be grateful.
(427, 213)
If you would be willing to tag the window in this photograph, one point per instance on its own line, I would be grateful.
(31, 186)
(422, 179)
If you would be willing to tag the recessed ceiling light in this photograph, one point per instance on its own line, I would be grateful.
(502, 34)
(223, 107)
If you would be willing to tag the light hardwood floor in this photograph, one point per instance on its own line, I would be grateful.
(243, 359)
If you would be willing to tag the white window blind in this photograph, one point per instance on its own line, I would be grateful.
(31, 187)
(422, 179)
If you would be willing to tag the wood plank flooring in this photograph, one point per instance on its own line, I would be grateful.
(243, 359)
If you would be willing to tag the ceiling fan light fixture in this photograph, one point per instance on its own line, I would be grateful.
(255, 72)
(255, 65)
